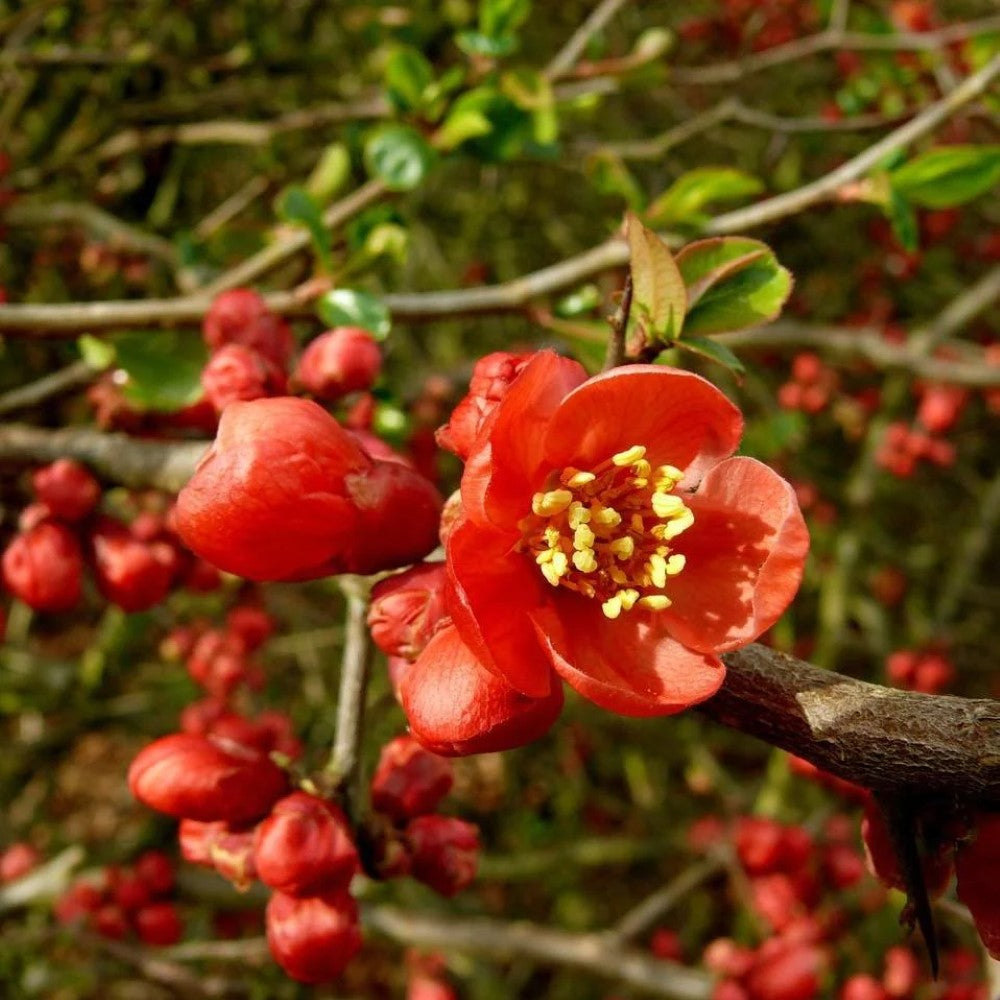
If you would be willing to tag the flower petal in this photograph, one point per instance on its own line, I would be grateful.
(680, 418)
(456, 706)
(492, 589)
(497, 484)
(745, 554)
(630, 665)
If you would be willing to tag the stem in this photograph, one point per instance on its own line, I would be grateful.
(344, 765)
(619, 324)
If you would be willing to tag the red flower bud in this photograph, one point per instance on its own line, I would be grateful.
(406, 610)
(68, 490)
(110, 922)
(491, 378)
(79, 900)
(409, 780)
(236, 372)
(444, 851)
(304, 847)
(862, 987)
(159, 924)
(130, 573)
(130, 892)
(315, 937)
(241, 316)
(44, 567)
(156, 869)
(203, 778)
(786, 971)
(229, 850)
(252, 624)
(901, 973)
(339, 361)
(978, 866)
(17, 860)
(285, 493)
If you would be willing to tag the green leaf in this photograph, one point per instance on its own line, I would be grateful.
(903, 219)
(330, 174)
(609, 176)
(498, 18)
(348, 307)
(164, 371)
(461, 125)
(658, 292)
(948, 176)
(714, 351)
(387, 239)
(295, 204)
(584, 300)
(683, 203)
(532, 92)
(399, 156)
(510, 127)
(96, 352)
(733, 283)
(408, 75)
(475, 43)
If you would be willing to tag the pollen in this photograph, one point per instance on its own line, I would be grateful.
(605, 533)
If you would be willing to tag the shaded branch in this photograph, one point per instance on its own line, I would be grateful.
(800, 48)
(597, 954)
(73, 376)
(894, 741)
(565, 58)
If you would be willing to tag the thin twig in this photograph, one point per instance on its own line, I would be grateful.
(296, 240)
(345, 761)
(615, 353)
(596, 954)
(657, 905)
(567, 56)
(824, 187)
(736, 69)
(73, 376)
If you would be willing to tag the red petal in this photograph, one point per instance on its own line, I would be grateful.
(455, 706)
(492, 590)
(629, 665)
(497, 485)
(745, 554)
(681, 419)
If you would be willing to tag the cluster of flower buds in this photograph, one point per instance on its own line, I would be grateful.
(250, 349)
(903, 447)
(927, 670)
(425, 977)
(733, 29)
(811, 386)
(407, 787)
(127, 901)
(134, 565)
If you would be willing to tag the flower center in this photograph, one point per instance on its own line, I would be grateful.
(605, 533)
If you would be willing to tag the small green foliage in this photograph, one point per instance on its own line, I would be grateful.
(331, 173)
(399, 156)
(733, 283)
(296, 205)
(714, 351)
(349, 307)
(164, 371)
(948, 176)
(685, 201)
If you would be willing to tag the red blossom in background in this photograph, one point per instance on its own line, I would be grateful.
(605, 538)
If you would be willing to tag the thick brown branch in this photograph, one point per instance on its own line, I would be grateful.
(896, 741)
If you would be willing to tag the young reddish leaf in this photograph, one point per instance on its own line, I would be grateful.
(658, 287)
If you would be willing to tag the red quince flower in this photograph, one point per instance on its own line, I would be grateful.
(606, 538)
(285, 493)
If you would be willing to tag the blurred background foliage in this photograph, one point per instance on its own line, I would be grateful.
(151, 146)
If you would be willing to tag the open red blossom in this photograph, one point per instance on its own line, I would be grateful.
(977, 863)
(285, 493)
(607, 538)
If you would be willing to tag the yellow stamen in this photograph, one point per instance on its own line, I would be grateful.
(576, 478)
(628, 456)
(554, 502)
(655, 602)
(666, 504)
(623, 548)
